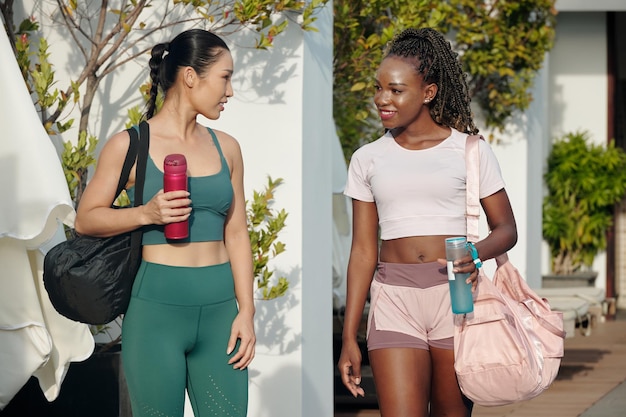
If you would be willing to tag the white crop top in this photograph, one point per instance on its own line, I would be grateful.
(419, 192)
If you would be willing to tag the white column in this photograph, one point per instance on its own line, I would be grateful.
(318, 134)
(537, 141)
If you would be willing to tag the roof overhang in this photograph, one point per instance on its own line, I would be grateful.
(590, 5)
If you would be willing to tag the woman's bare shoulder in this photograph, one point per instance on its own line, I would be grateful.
(223, 136)
(117, 144)
(227, 142)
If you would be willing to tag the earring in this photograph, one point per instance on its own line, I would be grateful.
(426, 101)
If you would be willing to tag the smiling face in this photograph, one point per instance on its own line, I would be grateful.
(213, 88)
(401, 93)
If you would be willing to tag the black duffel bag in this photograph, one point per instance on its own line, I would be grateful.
(89, 279)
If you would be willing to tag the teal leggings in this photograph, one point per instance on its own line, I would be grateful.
(175, 335)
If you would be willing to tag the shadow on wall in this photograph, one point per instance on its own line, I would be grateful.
(279, 392)
(558, 108)
(259, 74)
(276, 381)
(273, 333)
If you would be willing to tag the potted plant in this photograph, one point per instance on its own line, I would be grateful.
(584, 182)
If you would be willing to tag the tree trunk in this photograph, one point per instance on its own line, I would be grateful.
(92, 86)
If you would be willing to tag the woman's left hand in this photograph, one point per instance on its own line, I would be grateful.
(465, 265)
(242, 330)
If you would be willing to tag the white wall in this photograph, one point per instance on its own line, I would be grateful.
(578, 85)
(538, 137)
(510, 147)
(266, 116)
(317, 166)
(578, 75)
(570, 93)
(521, 151)
(283, 117)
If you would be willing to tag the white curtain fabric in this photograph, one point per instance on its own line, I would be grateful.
(34, 338)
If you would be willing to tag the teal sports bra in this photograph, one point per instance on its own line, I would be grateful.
(211, 197)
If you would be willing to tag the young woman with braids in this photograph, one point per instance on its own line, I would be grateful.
(410, 185)
(189, 324)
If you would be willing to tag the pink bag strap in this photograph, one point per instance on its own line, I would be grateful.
(472, 163)
(472, 186)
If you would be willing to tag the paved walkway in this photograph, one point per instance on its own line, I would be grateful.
(591, 380)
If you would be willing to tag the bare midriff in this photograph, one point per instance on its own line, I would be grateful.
(187, 254)
(413, 250)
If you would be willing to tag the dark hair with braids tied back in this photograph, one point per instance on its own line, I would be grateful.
(195, 48)
(437, 63)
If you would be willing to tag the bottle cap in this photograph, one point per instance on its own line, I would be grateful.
(175, 164)
(456, 242)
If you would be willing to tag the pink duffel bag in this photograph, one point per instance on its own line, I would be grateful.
(509, 348)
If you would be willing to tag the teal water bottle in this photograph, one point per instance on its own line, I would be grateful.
(460, 291)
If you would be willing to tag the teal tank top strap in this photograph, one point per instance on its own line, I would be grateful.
(217, 144)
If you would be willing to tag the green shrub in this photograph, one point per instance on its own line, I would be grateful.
(585, 181)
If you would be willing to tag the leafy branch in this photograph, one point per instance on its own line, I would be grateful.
(264, 225)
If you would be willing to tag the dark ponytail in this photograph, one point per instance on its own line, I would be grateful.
(437, 63)
(195, 48)
(155, 63)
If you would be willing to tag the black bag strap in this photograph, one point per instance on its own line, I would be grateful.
(131, 154)
(142, 159)
(139, 148)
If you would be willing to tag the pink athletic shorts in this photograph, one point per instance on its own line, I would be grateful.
(410, 307)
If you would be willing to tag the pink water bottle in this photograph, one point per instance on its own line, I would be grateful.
(174, 179)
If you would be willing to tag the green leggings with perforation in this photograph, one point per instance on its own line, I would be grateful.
(174, 337)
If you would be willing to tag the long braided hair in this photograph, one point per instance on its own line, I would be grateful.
(437, 63)
(196, 48)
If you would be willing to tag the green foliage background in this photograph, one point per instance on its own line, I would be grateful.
(584, 182)
(502, 44)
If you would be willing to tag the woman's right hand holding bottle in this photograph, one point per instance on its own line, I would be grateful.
(170, 207)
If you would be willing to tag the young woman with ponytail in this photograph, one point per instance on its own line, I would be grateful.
(408, 193)
(189, 325)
